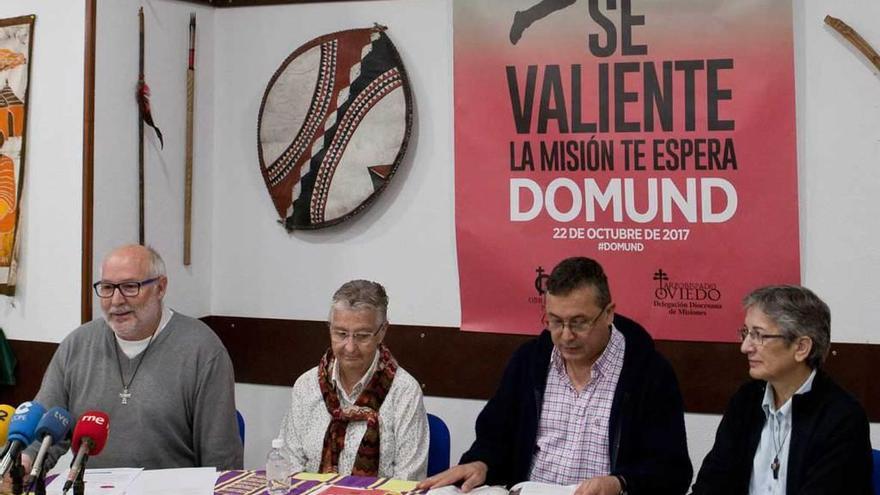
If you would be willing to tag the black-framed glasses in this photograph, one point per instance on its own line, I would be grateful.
(340, 336)
(576, 325)
(757, 337)
(127, 289)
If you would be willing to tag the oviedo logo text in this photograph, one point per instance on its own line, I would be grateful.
(685, 298)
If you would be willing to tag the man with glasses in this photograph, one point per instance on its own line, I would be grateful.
(590, 402)
(358, 412)
(164, 379)
(791, 429)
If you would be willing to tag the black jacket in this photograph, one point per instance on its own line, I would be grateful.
(830, 450)
(646, 429)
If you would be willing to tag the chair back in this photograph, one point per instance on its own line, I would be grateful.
(876, 475)
(438, 445)
(240, 419)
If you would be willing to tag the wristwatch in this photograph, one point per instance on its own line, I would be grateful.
(622, 481)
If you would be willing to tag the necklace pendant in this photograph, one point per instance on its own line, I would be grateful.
(125, 395)
(775, 467)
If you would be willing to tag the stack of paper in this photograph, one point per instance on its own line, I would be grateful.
(99, 481)
(135, 481)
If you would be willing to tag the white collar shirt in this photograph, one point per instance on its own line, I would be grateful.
(346, 399)
(403, 429)
(774, 444)
(132, 348)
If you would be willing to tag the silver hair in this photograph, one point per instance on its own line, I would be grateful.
(154, 259)
(361, 295)
(157, 264)
(799, 313)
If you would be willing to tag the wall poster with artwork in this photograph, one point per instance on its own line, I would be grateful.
(16, 47)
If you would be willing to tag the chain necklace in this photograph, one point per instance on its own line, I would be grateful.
(125, 394)
(775, 465)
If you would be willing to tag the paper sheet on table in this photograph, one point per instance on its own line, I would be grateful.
(398, 486)
(99, 481)
(524, 488)
(536, 488)
(322, 477)
(183, 481)
(480, 490)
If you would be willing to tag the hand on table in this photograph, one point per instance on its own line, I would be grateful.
(472, 475)
(602, 485)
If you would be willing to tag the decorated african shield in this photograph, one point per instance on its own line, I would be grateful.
(333, 127)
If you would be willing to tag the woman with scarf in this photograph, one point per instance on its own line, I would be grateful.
(358, 412)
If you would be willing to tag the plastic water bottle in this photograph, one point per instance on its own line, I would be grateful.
(277, 470)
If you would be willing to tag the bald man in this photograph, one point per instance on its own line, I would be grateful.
(165, 379)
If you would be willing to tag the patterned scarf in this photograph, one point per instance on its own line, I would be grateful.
(365, 408)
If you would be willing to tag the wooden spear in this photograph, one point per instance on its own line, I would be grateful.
(853, 37)
(190, 90)
(140, 90)
(145, 116)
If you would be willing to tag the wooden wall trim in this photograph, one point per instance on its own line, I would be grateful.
(452, 363)
(88, 162)
(467, 365)
(32, 359)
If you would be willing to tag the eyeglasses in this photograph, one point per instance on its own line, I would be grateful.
(127, 289)
(576, 325)
(757, 337)
(340, 336)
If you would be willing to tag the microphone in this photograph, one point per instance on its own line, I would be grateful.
(21, 432)
(51, 429)
(89, 438)
(6, 412)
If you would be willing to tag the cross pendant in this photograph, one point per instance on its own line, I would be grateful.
(124, 395)
(775, 467)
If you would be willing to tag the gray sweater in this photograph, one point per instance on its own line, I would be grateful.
(181, 412)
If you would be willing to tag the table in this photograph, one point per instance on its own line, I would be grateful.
(251, 482)
(254, 483)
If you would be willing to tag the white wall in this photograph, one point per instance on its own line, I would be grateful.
(116, 145)
(47, 301)
(838, 105)
(406, 239)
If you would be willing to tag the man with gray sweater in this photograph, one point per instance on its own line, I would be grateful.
(165, 379)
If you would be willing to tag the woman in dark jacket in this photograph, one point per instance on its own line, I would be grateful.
(791, 430)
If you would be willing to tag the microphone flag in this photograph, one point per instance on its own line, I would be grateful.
(21, 432)
(89, 437)
(6, 412)
(92, 428)
(51, 429)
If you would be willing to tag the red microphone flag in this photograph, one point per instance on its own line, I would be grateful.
(92, 427)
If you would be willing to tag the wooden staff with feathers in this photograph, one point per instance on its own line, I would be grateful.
(144, 115)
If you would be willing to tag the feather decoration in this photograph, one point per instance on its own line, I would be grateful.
(143, 97)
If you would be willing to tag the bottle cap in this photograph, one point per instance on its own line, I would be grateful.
(277, 443)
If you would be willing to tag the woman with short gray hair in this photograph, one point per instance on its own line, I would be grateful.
(791, 429)
(358, 412)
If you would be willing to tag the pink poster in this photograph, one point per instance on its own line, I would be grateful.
(655, 137)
